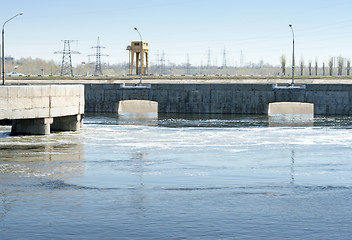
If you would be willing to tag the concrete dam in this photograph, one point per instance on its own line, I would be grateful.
(227, 98)
(41, 109)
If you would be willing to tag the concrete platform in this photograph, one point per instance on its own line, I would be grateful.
(34, 108)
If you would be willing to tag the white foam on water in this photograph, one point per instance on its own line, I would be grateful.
(229, 139)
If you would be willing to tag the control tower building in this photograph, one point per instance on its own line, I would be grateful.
(141, 50)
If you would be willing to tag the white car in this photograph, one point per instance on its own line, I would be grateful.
(14, 74)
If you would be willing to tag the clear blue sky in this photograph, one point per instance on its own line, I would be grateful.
(258, 28)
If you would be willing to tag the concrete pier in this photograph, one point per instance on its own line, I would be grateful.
(39, 109)
(291, 108)
(137, 106)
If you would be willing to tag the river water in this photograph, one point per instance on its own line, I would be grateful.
(180, 177)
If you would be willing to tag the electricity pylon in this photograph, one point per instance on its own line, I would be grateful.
(98, 55)
(224, 65)
(208, 64)
(66, 65)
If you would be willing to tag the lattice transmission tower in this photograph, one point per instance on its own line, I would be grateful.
(224, 64)
(188, 65)
(209, 63)
(66, 64)
(98, 55)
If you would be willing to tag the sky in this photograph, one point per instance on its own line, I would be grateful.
(198, 31)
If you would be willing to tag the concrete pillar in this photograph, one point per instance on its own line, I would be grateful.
(137, 106)
(37, 126)
(67, 123)
(291, 114)
(291, 108)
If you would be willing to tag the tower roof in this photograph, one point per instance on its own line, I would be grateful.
(136, 46)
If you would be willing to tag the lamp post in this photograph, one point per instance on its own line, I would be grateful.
(293, 56)
(3, 47)
(141, 57)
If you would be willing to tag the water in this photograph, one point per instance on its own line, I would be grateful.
(180, 177)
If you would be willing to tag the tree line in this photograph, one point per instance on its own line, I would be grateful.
(335, 66)
(342, 65)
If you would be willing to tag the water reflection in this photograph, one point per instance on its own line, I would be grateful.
(292, 166)
(294, 120)
(148, 118)
(33, 157)
(5, 207)
(36, 162)
(139, 196)
(139, 162)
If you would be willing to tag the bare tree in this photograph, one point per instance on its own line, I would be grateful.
(283, 64)
(323, 69)
(302, 66)
(340, 66)
(331, 66)
(316, 67)
(348, 67)
(310, 67)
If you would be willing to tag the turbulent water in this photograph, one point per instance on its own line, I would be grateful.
(180, 177)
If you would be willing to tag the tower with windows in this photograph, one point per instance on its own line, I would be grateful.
(139, 50)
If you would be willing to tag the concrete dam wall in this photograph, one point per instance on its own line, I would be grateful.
(328, 99)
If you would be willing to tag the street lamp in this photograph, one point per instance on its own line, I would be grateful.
(3, 47)
(140, 72)
(293, 56)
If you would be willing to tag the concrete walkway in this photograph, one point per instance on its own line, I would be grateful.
(184, 80)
